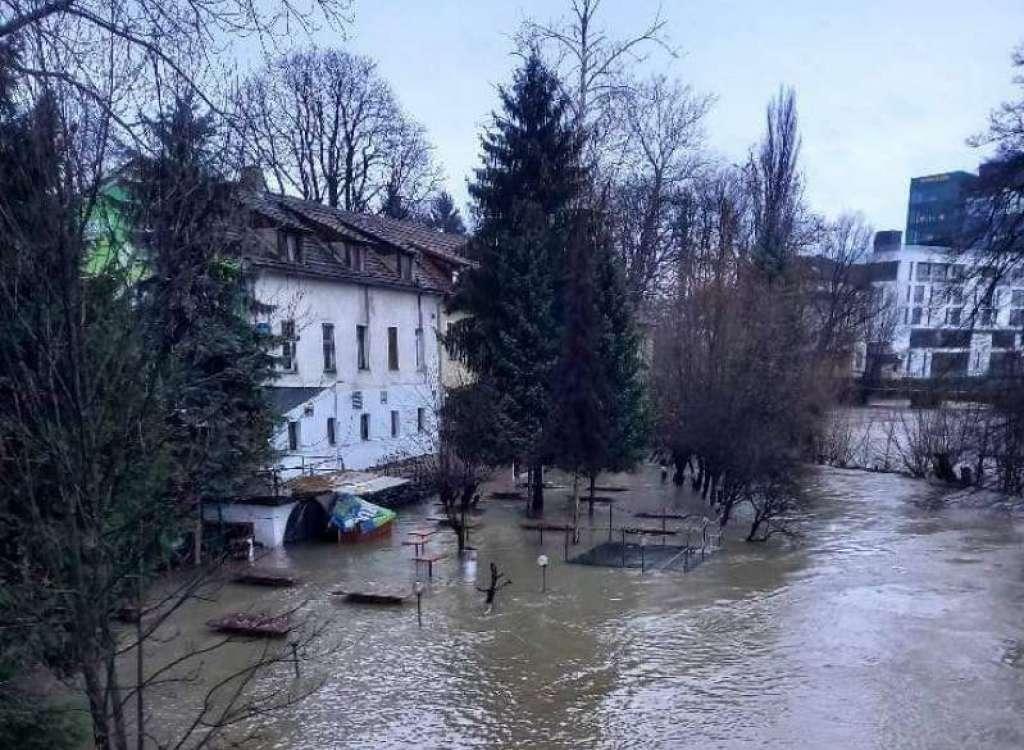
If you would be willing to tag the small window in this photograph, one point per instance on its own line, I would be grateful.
(923, 271)
(383, 397)
(288, 359)
(915, 316)
(403, 264)
(953, 315)
(332, 435)
(330, 365)
(421, 419)
(293, 436)
(919, 293)
(1017, 317)
(362, 360)
(394, 423)
(392, 348)
(354, 257)
(289, 246)
(419, 349)
(364, 426)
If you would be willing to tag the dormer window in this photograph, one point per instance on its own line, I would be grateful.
(289, 246)
(404, 266)
(353, 257)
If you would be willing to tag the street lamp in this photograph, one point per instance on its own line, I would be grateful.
(542, 563)
(418, 588)
(643, 545)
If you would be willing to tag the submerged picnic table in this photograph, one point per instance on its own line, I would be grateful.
(543, 526)
(373, 596)
(418, 539)
(252, 623)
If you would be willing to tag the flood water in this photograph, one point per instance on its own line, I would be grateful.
(887, 626)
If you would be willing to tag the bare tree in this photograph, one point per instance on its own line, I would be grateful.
(325, 124)
(661, 141)
(120, 54)
(593, 65)
(776, 187)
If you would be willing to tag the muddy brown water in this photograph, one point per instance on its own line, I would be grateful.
(887, 626)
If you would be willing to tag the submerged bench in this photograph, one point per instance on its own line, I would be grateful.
(266, 578)
(372, 597)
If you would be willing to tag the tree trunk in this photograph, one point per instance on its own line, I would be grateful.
(97, 707)
(537, 490)
(197, 552)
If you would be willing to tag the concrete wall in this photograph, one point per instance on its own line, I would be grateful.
(268, 522)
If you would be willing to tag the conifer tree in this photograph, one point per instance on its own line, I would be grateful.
(620, 353)
(444, 215)
(578, 431)
(522, 197)
(199, 309)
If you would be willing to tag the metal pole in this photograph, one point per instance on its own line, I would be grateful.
(623, 548)
(641, 556)
(419, 608)
(295, 658)
(565, 554)
(544, 579)
(609, 522)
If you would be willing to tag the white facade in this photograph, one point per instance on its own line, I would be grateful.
(947, 322)
(363, 415)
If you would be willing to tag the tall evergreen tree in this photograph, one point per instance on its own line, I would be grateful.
(578, 431)
(522, 197)
(445, 215)
(621, 357)
(599, 417)
(199, 309)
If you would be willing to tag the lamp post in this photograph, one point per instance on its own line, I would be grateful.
(418, 588)
(643, 545)
(542, 563)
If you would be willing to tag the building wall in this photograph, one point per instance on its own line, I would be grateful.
(936, 207)
(268, 522)
(935, 334)
(350, 392)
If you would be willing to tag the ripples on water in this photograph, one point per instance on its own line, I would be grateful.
(886, 626)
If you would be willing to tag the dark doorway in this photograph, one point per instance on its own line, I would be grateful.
(308, 521)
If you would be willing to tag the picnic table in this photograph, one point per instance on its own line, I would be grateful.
(429, 560)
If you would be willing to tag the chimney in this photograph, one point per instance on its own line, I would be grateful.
(251, 178)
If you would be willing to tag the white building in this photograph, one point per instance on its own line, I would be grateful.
(950, 321)
(360, 301)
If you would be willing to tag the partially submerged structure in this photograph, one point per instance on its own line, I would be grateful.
(304, 508)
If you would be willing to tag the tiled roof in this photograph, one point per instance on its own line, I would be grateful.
(439, 253)
(404, 234)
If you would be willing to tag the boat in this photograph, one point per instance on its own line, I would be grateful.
(359, 520)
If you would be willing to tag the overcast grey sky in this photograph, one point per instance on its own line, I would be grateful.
(887, 89)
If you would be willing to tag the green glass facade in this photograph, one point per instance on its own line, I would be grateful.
(936, 208)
